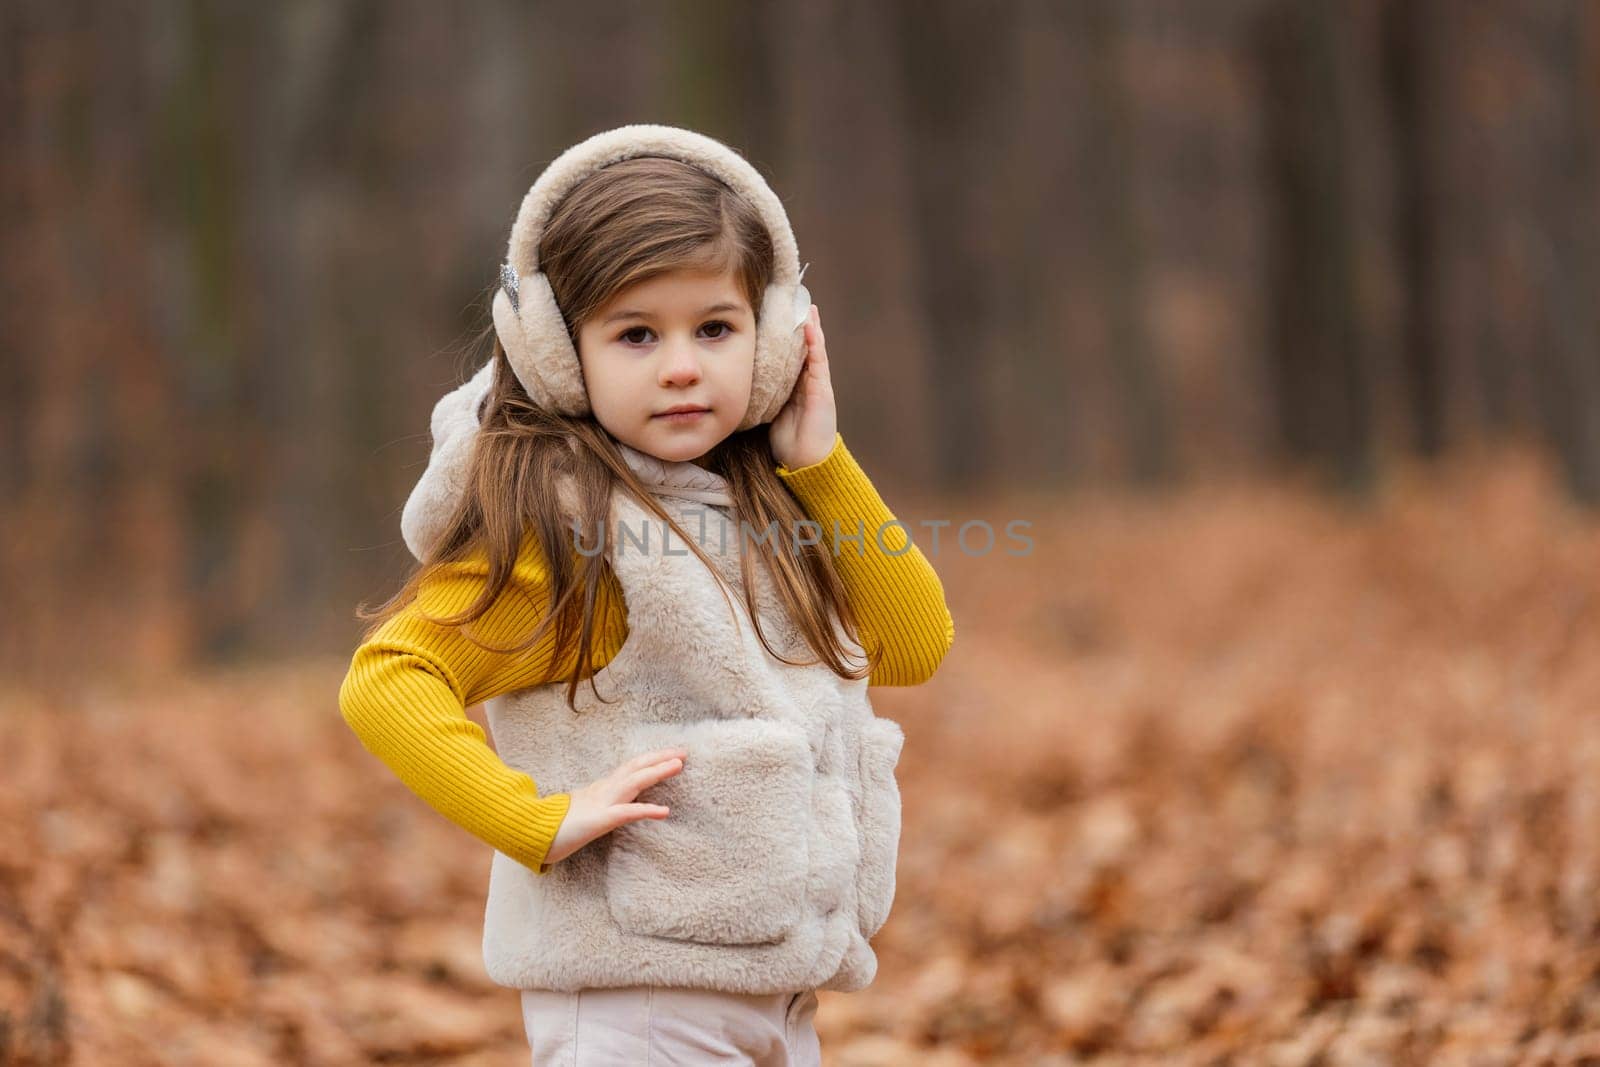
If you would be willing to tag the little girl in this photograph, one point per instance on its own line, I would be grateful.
(643, 542)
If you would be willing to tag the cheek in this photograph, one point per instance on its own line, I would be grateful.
(743, 370)
(609, 380)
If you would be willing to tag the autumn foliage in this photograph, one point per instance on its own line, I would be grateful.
(1238, 775)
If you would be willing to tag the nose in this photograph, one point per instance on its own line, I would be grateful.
(680, 365)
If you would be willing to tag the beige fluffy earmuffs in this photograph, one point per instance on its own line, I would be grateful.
(534, 333)
(530, 324)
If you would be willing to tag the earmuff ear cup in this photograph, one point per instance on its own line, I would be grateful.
(508, 328)
(780, 354)
(539, 348)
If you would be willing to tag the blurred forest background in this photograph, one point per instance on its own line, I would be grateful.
(1277, 318)
(1054, 244)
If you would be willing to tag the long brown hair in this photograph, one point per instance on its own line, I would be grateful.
(628, 222)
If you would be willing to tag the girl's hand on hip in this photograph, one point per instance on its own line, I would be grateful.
(802, 433)
(607, 803)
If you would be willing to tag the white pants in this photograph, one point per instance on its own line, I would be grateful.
(654, 1026)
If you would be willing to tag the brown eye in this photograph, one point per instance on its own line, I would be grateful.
(627, 333)
(727, 328)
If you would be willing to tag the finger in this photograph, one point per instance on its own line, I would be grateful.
(646, 759)
(627, 784)
(634, 812)
(648, 776)
(817, 373)
(817, 351)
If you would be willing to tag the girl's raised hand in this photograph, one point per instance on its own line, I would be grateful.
(607, 803)
(802, 433)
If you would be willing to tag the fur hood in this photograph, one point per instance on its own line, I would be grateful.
(454, 427)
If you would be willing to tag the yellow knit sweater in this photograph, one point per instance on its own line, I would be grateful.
(408, 688)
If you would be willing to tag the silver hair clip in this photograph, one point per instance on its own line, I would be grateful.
(508, 282)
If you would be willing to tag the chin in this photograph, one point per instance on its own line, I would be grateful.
(665, 445)
(685, 447)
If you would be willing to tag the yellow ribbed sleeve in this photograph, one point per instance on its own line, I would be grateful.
(892, 586)
(409, 685)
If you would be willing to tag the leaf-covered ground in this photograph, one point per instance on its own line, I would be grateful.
(1234, 776)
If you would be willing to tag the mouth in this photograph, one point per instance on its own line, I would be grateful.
(682, 413)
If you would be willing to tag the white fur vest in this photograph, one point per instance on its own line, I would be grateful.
(777, 861)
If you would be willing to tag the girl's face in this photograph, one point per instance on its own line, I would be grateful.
(681, 338)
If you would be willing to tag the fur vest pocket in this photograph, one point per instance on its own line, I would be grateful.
(725, 867)
(776, 864)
